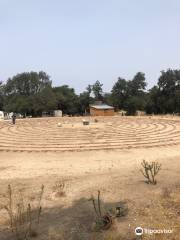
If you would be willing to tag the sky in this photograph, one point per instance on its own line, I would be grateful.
(80, 41)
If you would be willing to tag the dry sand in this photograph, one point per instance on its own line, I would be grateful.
(114, 170)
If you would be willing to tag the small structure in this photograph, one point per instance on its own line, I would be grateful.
(58, 113)
(85, 122)
(101, 110)
(140, 113)
(122, 113)
(1, 115)
(52, 113)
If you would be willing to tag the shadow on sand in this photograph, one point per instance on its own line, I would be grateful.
(72, 223)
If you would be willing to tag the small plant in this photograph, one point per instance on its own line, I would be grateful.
(23, 220)
(59, 188)
(150, 170)
(103, 221)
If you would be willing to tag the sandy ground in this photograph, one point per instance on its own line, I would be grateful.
(114, 172)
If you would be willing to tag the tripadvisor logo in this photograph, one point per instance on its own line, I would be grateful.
(139, 231)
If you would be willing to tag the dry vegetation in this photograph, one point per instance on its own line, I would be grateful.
(90, 195)
(23, 217)
(150, 170)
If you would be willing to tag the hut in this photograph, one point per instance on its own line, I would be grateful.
(58, 113)
(101, 110)
(1, 115)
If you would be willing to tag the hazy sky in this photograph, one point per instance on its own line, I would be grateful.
(80, 41)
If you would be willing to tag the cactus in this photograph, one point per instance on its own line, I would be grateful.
(102, 221)
(150, 170)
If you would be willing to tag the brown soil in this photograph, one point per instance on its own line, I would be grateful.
(103, 156)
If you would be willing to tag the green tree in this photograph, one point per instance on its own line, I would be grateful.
(129, 95)
(66, 99)
(107, 98)
(89, 90)
(27, 83)
(1, 96)
(97, 90)
(18, 104)
(85, 100)
(45, 101)
(165, 97)
(169, 85)
(135, 103)
(137, 86)
(177, 100)
(153, 101)
(136, 94)
(23, 90)
(119, 93)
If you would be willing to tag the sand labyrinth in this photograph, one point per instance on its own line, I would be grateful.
(109, 133)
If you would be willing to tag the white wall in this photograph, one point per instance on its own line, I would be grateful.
(1, 115)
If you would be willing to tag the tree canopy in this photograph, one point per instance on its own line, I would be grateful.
(31, 93)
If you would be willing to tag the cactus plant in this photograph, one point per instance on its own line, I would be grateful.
(104, 221)
(150, 170)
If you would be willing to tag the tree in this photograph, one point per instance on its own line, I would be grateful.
(153, 101)
(85, 100)
(108, 99)
(45, 101)
(169, 85)
(137, 86)
(24, 91)
(165, 97)
(119, 93)
(18, 104)
(89, 90)
(135, 94)
(97, 90)
(129, 95)
(66, 99)
(27, 83)
(32, 93)
(1, 96)
(177, 100)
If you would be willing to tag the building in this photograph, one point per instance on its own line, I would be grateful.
(101, 110)
(1, 115)
(58, 113)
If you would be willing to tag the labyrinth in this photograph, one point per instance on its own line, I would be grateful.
(107, 133)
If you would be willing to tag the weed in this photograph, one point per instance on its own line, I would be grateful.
(59, 188)
(23, 220)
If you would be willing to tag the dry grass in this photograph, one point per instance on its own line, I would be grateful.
(166, 192)
(59, 188)
(55, 234)
(163, 213)
(24, 219)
